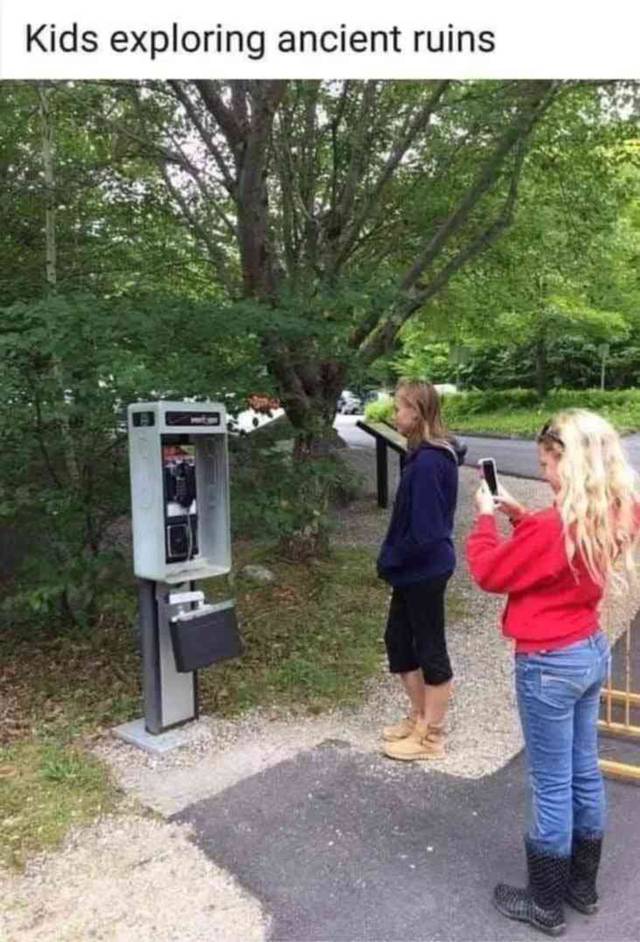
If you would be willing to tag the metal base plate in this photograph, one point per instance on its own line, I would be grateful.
(135, 734)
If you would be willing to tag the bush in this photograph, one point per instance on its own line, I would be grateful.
(70, 367)
(283, 499)
(381, 410)
(473, 403)
(521, 412)
(571, 362)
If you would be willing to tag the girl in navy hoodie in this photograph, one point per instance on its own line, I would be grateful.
(417, 558)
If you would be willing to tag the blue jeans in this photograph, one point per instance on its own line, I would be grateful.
(558, 699)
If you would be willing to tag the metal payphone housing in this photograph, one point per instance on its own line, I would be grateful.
(154, 427)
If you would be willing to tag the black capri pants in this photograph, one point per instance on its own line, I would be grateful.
(415, 631)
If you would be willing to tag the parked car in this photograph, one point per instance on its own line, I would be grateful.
(349, 403)
(375, 395)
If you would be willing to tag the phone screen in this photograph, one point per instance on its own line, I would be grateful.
(489, 473)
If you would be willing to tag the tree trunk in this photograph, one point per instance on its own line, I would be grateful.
(51, 271)
(309, 392)
(71, 464)
(541, 365)
(309, 389)
(313, 423)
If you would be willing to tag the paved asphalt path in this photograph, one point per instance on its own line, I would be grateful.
(513, 456)
(341, 846)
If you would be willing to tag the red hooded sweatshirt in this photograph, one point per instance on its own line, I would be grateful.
(550, 604)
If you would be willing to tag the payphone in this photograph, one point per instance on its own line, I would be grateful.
(181, 536)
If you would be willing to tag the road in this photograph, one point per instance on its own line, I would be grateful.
(513, 456)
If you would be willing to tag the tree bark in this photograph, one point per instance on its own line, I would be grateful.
(309, 391)
(541, 365)
(51, 272)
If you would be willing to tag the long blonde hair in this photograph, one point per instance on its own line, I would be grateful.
(429, 425)
(598, 496)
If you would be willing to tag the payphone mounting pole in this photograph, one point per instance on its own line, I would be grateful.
(170, 697)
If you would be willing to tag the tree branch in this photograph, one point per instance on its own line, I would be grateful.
(380, 338)
(359, 153)
(542, 96)
(205, 135)
(409, 134)
(335, 124)
(225, 117)
(216, 256)
(208, 195)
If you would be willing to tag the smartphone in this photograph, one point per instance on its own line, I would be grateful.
(489, 473)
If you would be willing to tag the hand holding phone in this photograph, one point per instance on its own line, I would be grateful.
(490, 474)
(508, 505)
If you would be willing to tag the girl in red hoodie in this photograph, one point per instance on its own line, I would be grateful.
(554, 569)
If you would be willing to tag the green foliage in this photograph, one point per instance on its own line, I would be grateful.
(147, 294)
(381, 410)
(423, 359)
(535, 308)
(472, 403)
(522, 412)
(571, 362)
(71, 366)
(116, 229)
(279, 497)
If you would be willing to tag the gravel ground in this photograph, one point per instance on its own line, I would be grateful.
(483, 724)
(141, 879)
(127, 879)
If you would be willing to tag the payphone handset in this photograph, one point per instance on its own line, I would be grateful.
(180, 508)
(179, 490)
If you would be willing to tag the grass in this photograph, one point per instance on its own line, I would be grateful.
(45, 788)
(312, 639)
(526, 423)
(522, 423)
(519, 413)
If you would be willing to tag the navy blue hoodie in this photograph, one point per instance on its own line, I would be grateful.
(419, 545)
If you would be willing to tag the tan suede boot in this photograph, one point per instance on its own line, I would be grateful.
(425, 742)
(399, 730)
